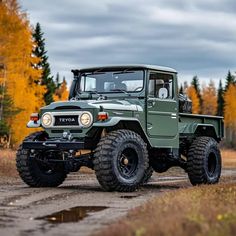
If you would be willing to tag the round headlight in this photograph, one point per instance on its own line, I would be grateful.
(86, 119)
(46, 119)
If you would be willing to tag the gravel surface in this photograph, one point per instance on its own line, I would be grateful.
(37, 211)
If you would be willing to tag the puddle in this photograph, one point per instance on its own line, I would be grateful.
(74, 214)
(128, 196)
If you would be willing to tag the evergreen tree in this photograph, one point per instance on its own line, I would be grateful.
(9, 111)
(40, 52)
(57, 81)
(196, 85)
(220, 100)
(230, 79)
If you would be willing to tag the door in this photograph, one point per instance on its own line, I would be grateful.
(162, 115)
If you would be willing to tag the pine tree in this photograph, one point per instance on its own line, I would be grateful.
(220, 100)
(230, 79)
(57, 81)
(9, 111)
(196, 85)
(40, 52)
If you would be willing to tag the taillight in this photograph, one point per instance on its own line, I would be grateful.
(34, 117)
(102, 116)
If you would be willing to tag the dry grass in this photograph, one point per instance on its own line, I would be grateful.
(205, 210)
(7, 163)
(229, 158)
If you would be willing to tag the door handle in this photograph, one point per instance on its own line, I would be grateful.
(151, 103)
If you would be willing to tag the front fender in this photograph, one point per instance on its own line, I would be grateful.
(131, 123)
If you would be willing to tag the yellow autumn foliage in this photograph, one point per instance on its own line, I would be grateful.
(230, 107)
(16, 54)
(192, 94)
(209, 99)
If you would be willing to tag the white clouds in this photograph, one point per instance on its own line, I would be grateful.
(193, 36)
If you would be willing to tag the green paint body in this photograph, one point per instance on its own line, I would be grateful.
(159, 120)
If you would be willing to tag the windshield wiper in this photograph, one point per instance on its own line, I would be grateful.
(120, 90)
(100, 96)
(82, 94)
(93, 92)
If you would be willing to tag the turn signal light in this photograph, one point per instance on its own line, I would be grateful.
(34, 117)
(102, 116)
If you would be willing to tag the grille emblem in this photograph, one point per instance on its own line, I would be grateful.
(67, 119)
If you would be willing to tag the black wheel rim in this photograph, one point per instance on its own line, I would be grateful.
(212, 164)
(128, 163)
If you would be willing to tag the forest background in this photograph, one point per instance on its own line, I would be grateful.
(26, 83)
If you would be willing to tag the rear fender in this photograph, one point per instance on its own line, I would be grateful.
(206, 130)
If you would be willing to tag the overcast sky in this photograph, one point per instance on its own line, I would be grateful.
(192, 36)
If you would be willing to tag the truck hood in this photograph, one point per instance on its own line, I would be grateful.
(95, 104)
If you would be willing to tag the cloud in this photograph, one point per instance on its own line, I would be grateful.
(193, 36)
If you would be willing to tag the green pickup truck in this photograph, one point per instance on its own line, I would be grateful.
(123, 121)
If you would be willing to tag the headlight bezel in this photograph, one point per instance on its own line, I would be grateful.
(50, 118)
(90, 119)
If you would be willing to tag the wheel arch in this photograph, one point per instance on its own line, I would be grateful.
(207, 131)
(116, 123)
(136, 127)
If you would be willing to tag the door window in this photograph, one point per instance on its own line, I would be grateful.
(160, 86)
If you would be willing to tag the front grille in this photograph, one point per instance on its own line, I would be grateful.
(77, 131)
(67, 108)
(57, 131)
(68, 120)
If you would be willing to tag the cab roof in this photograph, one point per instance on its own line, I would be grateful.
(127, 66)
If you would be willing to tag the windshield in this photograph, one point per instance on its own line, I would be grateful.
(112, 81)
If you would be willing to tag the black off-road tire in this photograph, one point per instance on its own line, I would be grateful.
(109, 167)
(204, 161)
(30, 171)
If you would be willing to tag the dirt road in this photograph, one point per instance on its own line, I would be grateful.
(78, 207)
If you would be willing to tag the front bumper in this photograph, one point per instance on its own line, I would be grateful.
(58, 145)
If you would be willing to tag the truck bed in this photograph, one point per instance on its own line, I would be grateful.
(206, 124)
